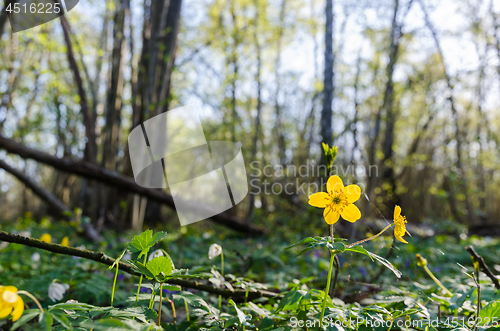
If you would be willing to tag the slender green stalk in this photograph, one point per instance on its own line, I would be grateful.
(437, 281)
(390, 326)
(327, 289)
(151, 300)
(159, 308)
(32, 298)
(222, 274)
(114, 285)
(371, 238)
(187, 310)
(140, 283)
(173, 310)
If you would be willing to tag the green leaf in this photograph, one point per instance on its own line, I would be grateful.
(381, 260)
(61, 318)
(161, 264)
(144, 241)
(302, 242)
(141, 268)
(117, 261)
(242, 318)
(27, 316)
(490, 313)
(46, 319)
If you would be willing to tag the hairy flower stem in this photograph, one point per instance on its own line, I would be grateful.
(32, 297)
(159, 308)
(140, 283)
(333, 253)
(371, 238)
(114, 285)
(173, 310)
(437, 281)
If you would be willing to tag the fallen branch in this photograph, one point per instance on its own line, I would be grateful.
(484, 267)
(104, 259)
(54, 203)
(111, 178)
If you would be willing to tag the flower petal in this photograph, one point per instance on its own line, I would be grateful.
(397, 212)
(320, 199)
(5, 311)
(401, 239)
(334, 185)
(18, 309)
(351, 213)
(331, 216)
(353, 193)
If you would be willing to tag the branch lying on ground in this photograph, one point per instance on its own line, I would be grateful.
(104, 259)
(54, 203)
(484, 267)
(111, 178)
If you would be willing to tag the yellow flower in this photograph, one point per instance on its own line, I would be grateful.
(46, 237)
(338, 201)
(10, 303)
(399, 221)
(65, 242)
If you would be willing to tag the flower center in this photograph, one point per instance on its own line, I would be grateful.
(10, 297)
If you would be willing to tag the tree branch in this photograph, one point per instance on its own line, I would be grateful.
(111, 178)
(484, 267)
(54, 203)
(104, 259)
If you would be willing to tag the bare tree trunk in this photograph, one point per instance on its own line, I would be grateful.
(255, 139)
(390, 116)
(169, 42)
(114, 100)
(279, 117)
(90, 147)
(458, 135)
(4, 16)
(327, 112)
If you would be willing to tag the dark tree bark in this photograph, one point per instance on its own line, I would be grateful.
(4, 16)
(279, 116)
(169, 42)
(114, 98)
(111, 178)
(390, 115)
(90, 147)
(327, 112)
(255, 139)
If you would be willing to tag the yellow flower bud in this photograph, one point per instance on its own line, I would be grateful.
(421, 261)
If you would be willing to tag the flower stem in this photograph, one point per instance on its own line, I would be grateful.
(32, 298)
(371, 238)
(437, 281)
(140, 283)
(173, 310)
(114, 285)
(187, 310)
(222, 274)
(333, 253)
(159, 308)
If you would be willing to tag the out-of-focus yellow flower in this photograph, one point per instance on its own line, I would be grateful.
(421, 262)
(399, 221)
(338, 201)
(65, 242)
(46, 237)
(10, 303)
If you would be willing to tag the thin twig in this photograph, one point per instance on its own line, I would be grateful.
(484, 266)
